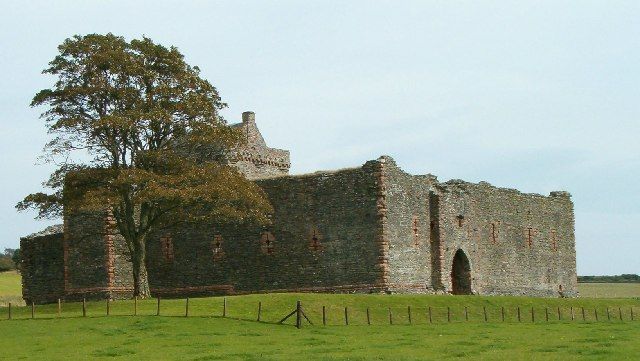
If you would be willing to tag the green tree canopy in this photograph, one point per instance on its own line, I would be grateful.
(139, 133)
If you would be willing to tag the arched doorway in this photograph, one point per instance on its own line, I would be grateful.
(461, 274)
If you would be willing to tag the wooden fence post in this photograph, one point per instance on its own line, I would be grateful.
(409, 312)
(430, 319)
(108, 306)
(573, 316)
(583, 316)
(595, 311)
(368, 317)
(224, 307)
(466, 314)
(158, 307)
(84, 307)
(59, 308)
(546, 313)
(135, 305)
(324, 316)
(518, 313)
(448, 314)
(390, 317)
(559, 314)
(33, 310)
(484, 311)
(631, 313)
(259, 310)
(298, 318)
(9, 316)
(608, 315)
(533, 317)
(620, 313)
(186, 308)
(346, 316)
(502, 313)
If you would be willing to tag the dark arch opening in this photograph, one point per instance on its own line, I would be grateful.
(461, 274)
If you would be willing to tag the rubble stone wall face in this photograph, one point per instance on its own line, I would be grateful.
(86, 249)
(42, 268)
(322, 239)
(517, 244)
(410, 254)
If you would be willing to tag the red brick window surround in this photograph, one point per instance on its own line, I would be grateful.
(315, 239)
(494, 233)
(415, 231)
(267, 241)
(529, 233)
(554, 240)
(216, 247)
(166, 246)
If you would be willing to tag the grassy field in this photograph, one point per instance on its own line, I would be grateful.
(609, 290)
(206, 335)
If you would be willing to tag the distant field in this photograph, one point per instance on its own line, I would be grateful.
(10, 288)
(609, 290)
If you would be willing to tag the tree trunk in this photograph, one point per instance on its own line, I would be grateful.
(140, 278)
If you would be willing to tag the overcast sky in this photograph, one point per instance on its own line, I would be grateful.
(538, 96)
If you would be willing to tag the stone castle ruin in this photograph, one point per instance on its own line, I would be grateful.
(372, 228)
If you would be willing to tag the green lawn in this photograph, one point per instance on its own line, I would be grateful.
(205, 335)
(214, 338)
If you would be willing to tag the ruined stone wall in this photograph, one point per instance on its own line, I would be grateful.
(42, 267)
(368, 229)
(323, 238)
(91, 265)
(408, 231)
(517, 244)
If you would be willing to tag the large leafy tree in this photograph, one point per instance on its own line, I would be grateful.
(137, 132)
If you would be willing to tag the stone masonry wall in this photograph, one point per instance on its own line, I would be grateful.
(88, 260)
(517, 244)
(409, 216)
(368, 229)
(42, 267)
(322, 239)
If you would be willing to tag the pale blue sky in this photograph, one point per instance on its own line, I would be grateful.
(538, 96)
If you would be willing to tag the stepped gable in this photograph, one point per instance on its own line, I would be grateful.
(255, 159)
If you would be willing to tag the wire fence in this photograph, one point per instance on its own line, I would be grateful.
(321, 315)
